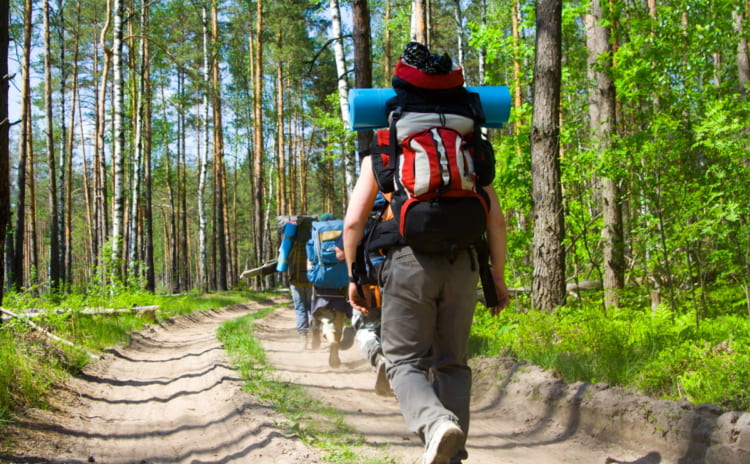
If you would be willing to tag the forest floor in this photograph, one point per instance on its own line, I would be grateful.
(171, 396)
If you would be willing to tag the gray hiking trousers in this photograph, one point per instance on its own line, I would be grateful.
(428, 306)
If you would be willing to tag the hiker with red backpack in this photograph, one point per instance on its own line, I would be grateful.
(447, 231)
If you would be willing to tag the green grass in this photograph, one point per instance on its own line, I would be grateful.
(30, 362)
(316, 424)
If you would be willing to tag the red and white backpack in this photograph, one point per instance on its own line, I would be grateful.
(434, 161)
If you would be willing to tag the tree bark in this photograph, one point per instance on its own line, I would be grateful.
(54, 244)
(203, 160)
(258, 149)
(387, 45)
(418, 31)
(343, 86)
(4, 136)
(100, 172)
(603, 123)
(743, 60)
(148, 227)
(548, 280)
(16, 277)
(118, 149)
(67, 201)
(220, 192)
(362, 61)
(283, 194)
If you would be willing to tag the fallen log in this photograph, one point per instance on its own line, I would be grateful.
(149, 312)
(263, 270)
(45, 332)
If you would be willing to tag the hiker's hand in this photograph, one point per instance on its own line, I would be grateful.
(356, 301)
(502, 297)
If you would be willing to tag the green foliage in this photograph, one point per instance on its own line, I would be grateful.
(653, 352)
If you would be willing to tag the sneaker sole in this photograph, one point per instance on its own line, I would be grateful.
(447, 448)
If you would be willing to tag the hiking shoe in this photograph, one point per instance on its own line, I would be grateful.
(382, 384)
(347, 338)
(304, 340)
(445, 444)
(333, 355)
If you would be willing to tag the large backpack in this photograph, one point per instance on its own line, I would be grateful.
(297, 259)
(327, 270)
(434, 161)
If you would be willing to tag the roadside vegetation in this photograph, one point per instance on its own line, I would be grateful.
(704, 358)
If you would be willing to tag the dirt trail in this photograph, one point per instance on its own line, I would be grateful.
(171, 397)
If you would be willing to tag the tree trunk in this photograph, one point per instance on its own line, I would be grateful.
(387, 45)
(220, 192)
(4, 136)
(603, 123)
(458, 17)
(118, 152)
(148, 227)
(65, 156)
(338, 51)
(202, 245)
(134, 238)
(16, 277)
(743, 60)
(67, 202)
(100, 171)
(183, 257)
(258, 148)
(548, 280)
(54, 244)
(418, 31)
(362, 61)
(482, 52)
(283, 205)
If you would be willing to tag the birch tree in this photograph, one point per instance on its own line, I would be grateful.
(202, 245)
(118, 155)
(343, 86)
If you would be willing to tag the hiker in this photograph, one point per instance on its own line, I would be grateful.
(327, 273)
(367, 324)
(296, 268)
(429, 281)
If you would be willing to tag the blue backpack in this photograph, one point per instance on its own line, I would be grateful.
(327, 271)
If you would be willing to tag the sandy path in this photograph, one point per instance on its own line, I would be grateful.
(169, 397)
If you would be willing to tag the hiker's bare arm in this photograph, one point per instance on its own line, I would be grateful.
(497, 242)
(360, 205)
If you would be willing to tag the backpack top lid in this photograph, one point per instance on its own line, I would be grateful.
(426, 70)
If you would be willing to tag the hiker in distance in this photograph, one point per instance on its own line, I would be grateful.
(327, 273)
(296, 268)
(431, 270)
(367, 324)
